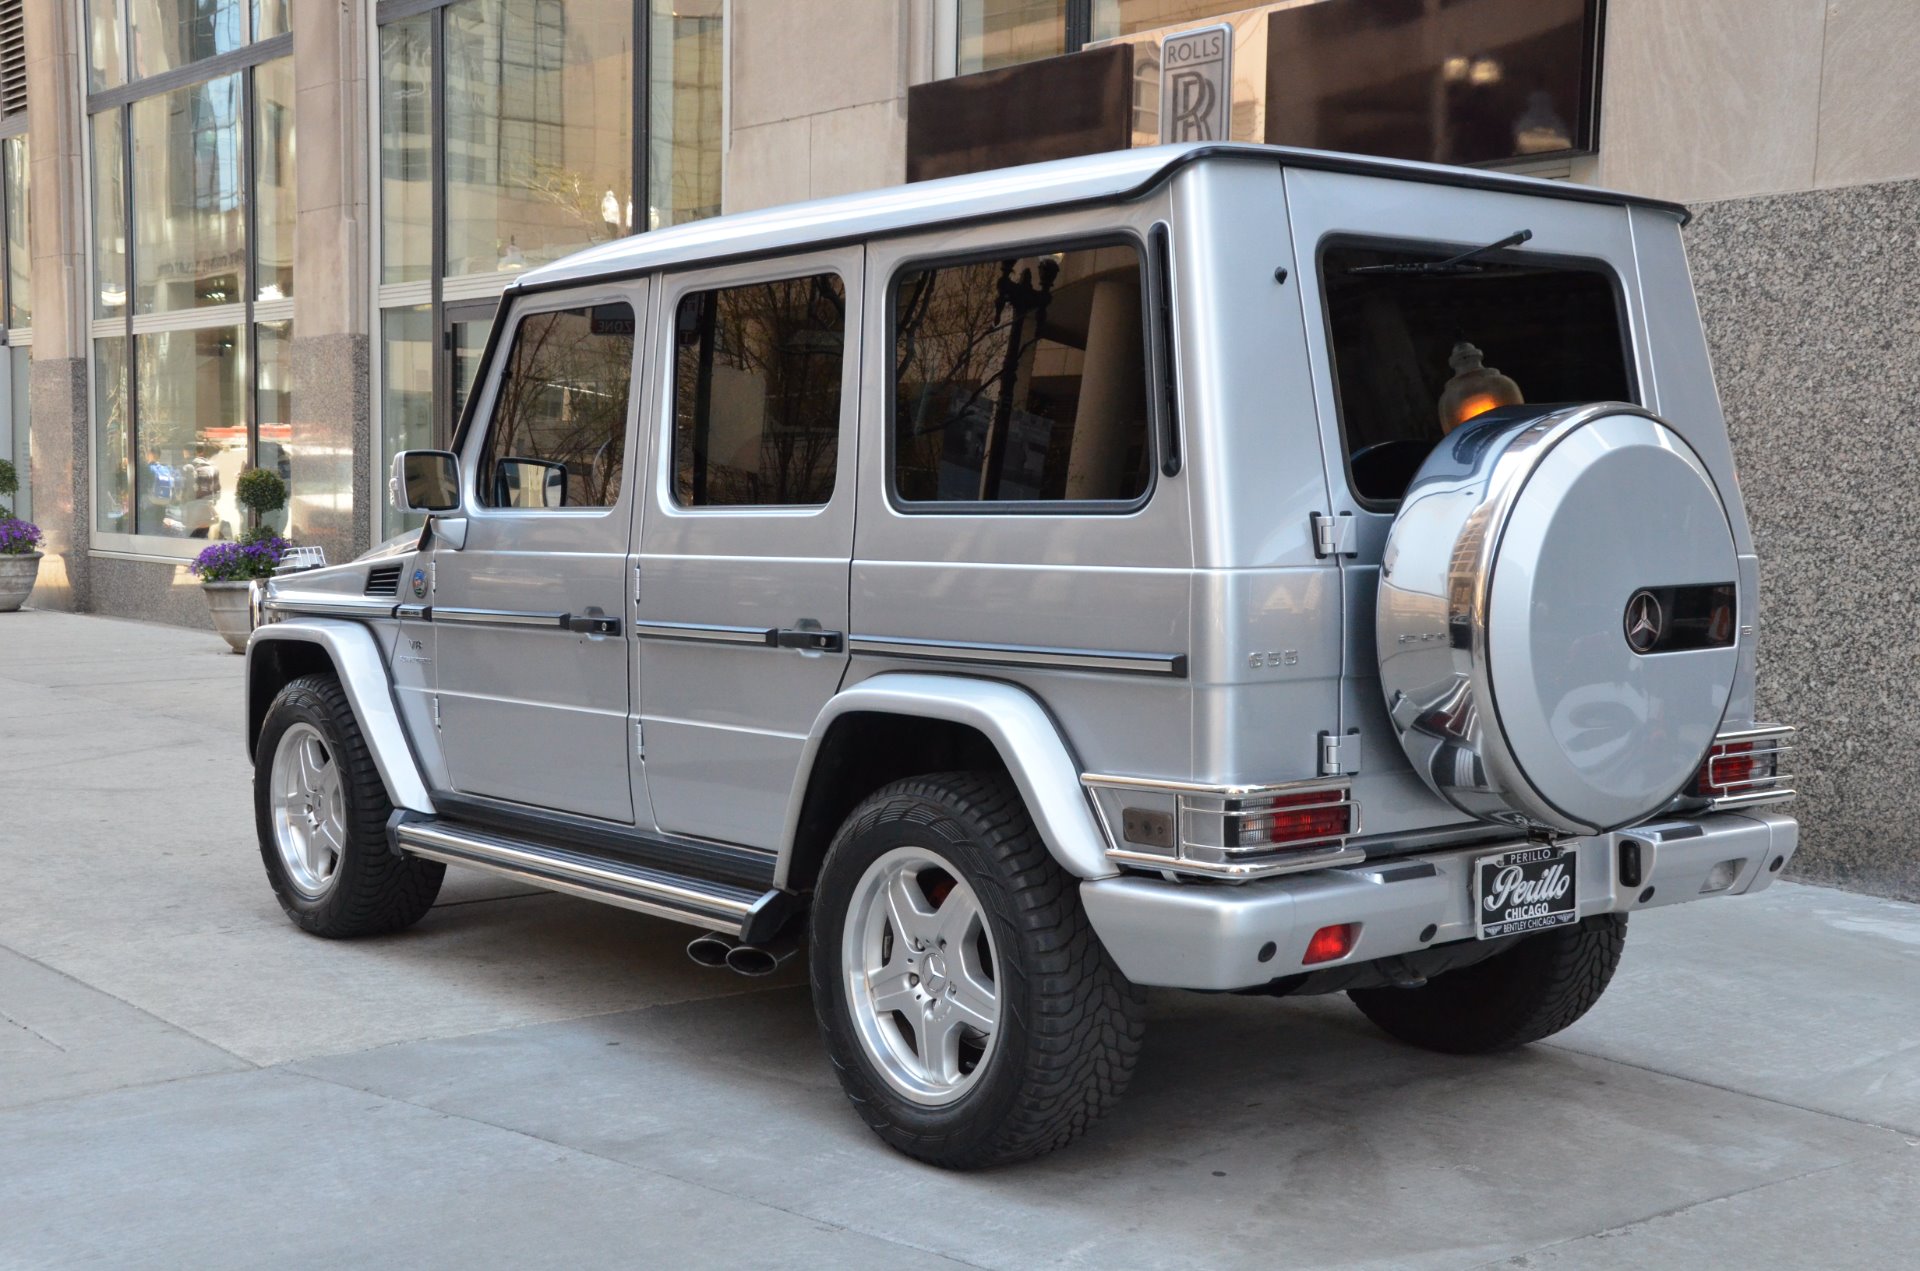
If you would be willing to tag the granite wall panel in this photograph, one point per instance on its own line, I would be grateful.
(1812, 309)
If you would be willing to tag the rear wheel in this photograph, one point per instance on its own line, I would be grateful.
(321, 810)
(1531, 991)
(972, 1015)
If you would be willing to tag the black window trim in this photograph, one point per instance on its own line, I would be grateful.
(675, 291)
(1157, 388)
(1441, 249)
(504, 330)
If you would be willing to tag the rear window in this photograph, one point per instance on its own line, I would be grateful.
(1415, 354)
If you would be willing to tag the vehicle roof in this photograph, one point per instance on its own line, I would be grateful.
(1109, 177)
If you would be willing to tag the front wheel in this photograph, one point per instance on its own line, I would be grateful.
(971, 1013)
(321, 810)
(1533, 990)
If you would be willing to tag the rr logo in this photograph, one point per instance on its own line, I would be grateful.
(1193, 96)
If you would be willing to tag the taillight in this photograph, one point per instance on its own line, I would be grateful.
(1308, 817)
(1730, 768)
(1330, 944)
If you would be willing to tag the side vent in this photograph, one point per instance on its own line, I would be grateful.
(384, 580)
(13, 58)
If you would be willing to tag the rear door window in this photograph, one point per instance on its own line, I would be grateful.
(1417, 352)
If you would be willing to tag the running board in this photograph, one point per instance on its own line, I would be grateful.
(753, 916)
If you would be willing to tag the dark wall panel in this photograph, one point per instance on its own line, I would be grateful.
(1052, 109)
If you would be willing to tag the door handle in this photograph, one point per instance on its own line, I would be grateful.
(811, 640)
(592, 624)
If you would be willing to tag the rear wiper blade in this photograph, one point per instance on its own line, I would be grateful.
(1461, 264)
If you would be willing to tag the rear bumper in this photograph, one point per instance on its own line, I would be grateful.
(1211, 936)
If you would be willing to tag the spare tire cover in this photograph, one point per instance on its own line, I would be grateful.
(1556, 617)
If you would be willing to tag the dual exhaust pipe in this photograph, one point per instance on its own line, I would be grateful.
(714, 949)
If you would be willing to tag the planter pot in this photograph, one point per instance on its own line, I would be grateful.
(231, 605)
(16, 579)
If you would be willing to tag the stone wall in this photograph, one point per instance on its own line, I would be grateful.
(1812, 310)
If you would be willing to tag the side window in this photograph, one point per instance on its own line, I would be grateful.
(756, 393)
(1022, 380)
(559, 430)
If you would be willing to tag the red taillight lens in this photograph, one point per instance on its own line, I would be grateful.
(1330, 944)
(1731, 766)
(1295, 818)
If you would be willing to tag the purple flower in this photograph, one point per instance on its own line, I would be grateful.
(18, 537)
(239, 562)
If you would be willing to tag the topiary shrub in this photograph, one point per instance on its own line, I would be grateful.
(9, 485)
(261, 492)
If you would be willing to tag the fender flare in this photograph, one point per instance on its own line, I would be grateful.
(363, 674)
(1020, 729)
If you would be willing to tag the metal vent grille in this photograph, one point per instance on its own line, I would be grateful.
(384, 580)
(13, 57)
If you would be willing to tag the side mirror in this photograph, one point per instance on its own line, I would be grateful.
(425, 481)
(529, 483)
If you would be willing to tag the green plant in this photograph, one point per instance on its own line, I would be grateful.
(260, 491)
(9, 485)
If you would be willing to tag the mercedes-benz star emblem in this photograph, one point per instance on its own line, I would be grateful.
(1646, 622)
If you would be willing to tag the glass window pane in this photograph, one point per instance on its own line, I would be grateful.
(684, 91)
(539, 138)
(756, 415)
(1022, 380)
(106, 44)
(1126, 17)
(995, 33)
(110, 214)
(406, 396)
(406, 150)
(190, 390)
(19, 253)
(189, 216)
(270, 18)
(170, 33)
(468, 346)
(112, 439)
(273, 389)
(559, 431)
(20, 369)
(273, 198)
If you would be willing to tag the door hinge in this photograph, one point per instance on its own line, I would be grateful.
(436, 713)
(1333, 535)
(1340, 754)
(636, 584)
(639, 740)
(433, 576)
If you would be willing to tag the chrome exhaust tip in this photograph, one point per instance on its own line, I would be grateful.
(712, 949)
(757, 960)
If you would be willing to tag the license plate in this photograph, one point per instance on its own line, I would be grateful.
(1529, 889)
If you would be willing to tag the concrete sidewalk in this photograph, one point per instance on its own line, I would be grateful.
(525, 1079)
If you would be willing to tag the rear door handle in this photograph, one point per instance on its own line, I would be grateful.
(592, 623)
(810, 640)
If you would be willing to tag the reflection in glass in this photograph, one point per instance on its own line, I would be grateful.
(170, 33)
(270, 18)
(1125, 17)
(273, 428)
(190, 394)
(106, 47)
(537, 163)
(684, 89)
(19, 254)
(561, 408)
(189, 215)
(995, 33)
(273, 189)
(406, 397)
(406, 149)
(469, 346)
(20, 369)
(112, 439)
(109, 214)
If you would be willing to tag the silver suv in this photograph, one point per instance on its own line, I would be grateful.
(1223, 568)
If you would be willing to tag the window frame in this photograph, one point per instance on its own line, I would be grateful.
(1440, 250)
(471, 441)
(670, 372)
(1152, 360)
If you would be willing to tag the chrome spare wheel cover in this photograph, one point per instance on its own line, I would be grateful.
(921, 975)
(309, 810)
(1519, 617)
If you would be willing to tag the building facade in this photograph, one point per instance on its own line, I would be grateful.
(265, 233)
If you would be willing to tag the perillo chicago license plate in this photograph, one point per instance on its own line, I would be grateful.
(1529, 889)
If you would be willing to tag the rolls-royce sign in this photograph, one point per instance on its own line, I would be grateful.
(1196, 84)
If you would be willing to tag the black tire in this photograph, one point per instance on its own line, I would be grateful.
(1070, 1023)
(1528, 992)
(372, 891)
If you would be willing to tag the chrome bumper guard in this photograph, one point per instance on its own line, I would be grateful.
(1747, 766)
(1199, 935)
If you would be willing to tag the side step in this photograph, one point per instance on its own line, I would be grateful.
(751, 915)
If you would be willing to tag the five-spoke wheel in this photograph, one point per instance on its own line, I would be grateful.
(309, 810)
